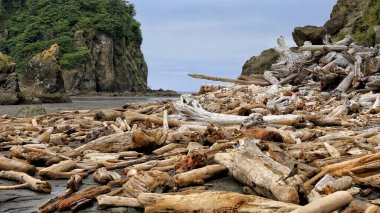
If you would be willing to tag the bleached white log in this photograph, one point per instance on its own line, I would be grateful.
(244, 163)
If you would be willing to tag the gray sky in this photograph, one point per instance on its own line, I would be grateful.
(216, 37)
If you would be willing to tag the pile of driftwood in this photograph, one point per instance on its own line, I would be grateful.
(303, 137)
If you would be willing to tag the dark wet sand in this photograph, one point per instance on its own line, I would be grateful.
(86, 103)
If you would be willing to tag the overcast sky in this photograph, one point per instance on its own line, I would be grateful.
(216, 37)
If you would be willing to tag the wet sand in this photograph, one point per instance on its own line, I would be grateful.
(86, 103)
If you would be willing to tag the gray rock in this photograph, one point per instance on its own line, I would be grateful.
(116, 65)
(308, 33)
(44, 77)
(30, 111)
(9, 88)
(335, 24)
(258, 64)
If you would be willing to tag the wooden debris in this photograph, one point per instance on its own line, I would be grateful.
(243, 163)
(25, 181)
(329, 203)
(149, 181)
(211, 201)
(306, 131)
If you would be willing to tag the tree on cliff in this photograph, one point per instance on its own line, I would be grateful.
(28, 27)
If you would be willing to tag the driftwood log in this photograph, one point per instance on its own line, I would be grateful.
(329, 203)
(149, 181)
(211, 201)
(198, 176)
(16, 165)
(26, 182)
(243, 163)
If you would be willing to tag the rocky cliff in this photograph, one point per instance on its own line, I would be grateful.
(9, 88)
(97, 42)
(358, 18)
(114, 66)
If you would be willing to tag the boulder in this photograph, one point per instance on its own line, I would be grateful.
(308, 33)
(258, 64)
(30, 111)
(44, 77)
(9, 88)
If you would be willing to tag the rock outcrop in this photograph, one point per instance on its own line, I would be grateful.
(9, 89)
(348, 17)
(258, 64)
(99, 41)
(308, 33)
(115, 65)
(360, 19)
(44, 77)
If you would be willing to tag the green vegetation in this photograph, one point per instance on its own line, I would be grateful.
(73, 59)
(364, 32)
(33, 25)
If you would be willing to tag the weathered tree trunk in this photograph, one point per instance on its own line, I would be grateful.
(198, 176)
(111, 143)
(130, 117)
(7, 164)
(63, 166)
(149, 181)
(118, 201)
(242, 82)
(243, 164)
(212, 201)
(90, 193)
(329, 203)
(26, 181)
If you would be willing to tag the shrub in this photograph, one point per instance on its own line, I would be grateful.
(73, 59)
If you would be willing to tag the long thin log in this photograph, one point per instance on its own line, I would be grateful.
(118, 201)
(315, 48)
(212, 201)
(198, 176)
(31, 183)
(235, 81)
